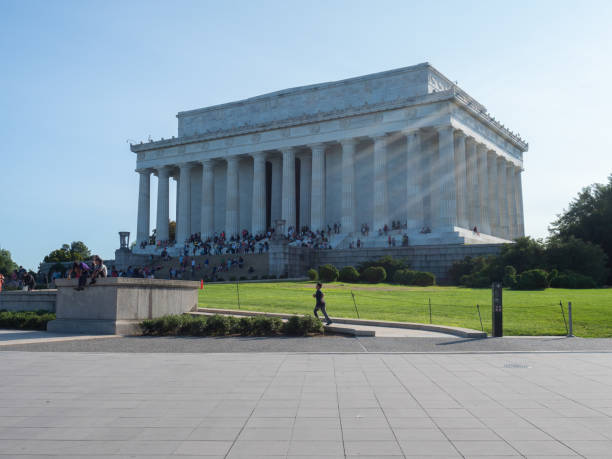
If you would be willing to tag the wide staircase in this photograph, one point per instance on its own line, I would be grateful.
(259, 263)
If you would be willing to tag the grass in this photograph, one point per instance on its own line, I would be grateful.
(525, 313)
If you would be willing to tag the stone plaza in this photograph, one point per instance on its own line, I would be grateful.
(305, 405)
(406, 145)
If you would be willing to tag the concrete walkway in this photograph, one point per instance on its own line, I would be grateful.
(14, 337)
(299, 406)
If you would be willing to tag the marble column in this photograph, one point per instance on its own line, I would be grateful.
(232, 207)
(415, 189)
(183, 225)
(317, 201)
(502, 198)
(288, 212)
(380, 182)
(258, 212)
(472, 183)
(483, 190)
(447, 213)
(176, 176)
(519, 202)
(207, 227)
(305, 192)
(163, 204)
(461, 180)
(511, 200)
(144, 206)
(348, 186)
(493, 199)
(276, 190)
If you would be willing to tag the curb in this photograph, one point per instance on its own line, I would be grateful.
(457, 331)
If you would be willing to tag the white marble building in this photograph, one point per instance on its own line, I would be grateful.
(406, 144)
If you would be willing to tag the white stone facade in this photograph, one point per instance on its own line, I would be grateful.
(404, 145)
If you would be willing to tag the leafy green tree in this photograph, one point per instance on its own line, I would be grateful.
(7, 265)
(76, 251)
(589, 217)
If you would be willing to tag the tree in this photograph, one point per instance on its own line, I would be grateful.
(76, 251)
(7, 265)
(589, 217)
(171, 231)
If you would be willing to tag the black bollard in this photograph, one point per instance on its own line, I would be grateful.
(497, 312)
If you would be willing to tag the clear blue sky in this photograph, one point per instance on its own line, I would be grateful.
(79, 78)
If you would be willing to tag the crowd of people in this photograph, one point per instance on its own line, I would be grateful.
(20, 279)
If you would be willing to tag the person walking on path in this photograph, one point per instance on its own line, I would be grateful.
(1, 281)
(319, 295)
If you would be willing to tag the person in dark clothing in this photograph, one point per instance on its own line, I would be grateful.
(320, 304)
(80, 270)
(28, 281)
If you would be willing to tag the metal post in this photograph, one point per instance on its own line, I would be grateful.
(356, 310)
(564, 321)
(497, 311)
(430, 310)
(480, 317)
(571, 322)
(238, 293)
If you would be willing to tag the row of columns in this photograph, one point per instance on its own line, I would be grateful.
(468, 185)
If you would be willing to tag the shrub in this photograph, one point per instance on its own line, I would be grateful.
(265, 276)
(403, 277)
(233, 278)
(572, 280)
(192, 325)
(577, 256)
(328, 273)
(302, 326)
(509, 279)
(312, 274)
(348, 274)
(265, 326)
(243, 278)
(253, 277)
(476, 280)
(423, 278)
(532, 279)
(25, 320)
(218, 325)
(373, 275)
(387, 262)
(243, 326)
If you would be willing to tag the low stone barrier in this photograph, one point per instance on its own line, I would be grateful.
(36, 300)
(117, 305)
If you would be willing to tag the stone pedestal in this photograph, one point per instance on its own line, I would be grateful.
(117, 305)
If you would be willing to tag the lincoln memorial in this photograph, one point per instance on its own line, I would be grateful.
(405, 145)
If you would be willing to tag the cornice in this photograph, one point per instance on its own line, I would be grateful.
(455, 94)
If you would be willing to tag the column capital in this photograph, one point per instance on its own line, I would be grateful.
(207, 162)
(481, 148)
(164, 171)
(380, 137)
(261, 155)
(185, 166)
(145, 171)
(287, 150)
(459, 133)
(445, 128)
(492, 153)
(348, 143)
(317, 146)
(232, 159)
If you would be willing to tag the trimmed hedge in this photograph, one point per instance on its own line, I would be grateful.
(328, 273)
(373, 275)
(423, 279)
(572, 280)
(532, 279)
(348, 274)
(403, 277)
(312, 274)
(218, 325)
(25, 320)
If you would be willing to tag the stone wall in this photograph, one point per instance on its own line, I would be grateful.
(435, 259)
(28, 301)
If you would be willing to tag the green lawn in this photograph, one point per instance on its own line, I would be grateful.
(525, 313)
